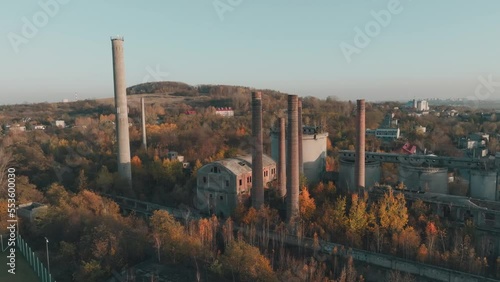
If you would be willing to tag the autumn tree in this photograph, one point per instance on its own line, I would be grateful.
(167, 233)
(392, 212)
(244, 262)
(307, 206)
(431, 233)
(357, 221)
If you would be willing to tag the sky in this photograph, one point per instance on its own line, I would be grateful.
(372, 49)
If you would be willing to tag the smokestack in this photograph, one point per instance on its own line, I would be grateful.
(282, 159)
(257, 163)
(122, 134)
(143, 121)
(292, 165)
(301, 156)
(359, 171)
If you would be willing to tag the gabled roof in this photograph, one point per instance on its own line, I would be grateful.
(243, 164)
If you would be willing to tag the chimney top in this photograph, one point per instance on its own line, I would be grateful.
(257, 95)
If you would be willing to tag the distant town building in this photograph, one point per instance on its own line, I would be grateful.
(60, 123)
(419, 105)
(420, 129)
(225, 112)
(389, 121)
(409, 149)
(388, 130)
(17, 128)
(173, 155)
(39, 127)
(475, 145)
(384, 133)
(221, 185)
(479, 136)
(65, 101)
(422, 106)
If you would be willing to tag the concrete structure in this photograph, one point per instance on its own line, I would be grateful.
(225, 112)
(426, 179)
(359, 172)
(314, 144)
(301, 143)
(257, 152)
(430, 172)
(428, 160)
(314, 153)
(221, 185)
(346, 175)
(31, 211)
(483, 185)
(282, 158)
(143, 123)
(122, 124)
(292, 164)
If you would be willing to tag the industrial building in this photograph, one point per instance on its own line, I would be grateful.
(221, 185)
(428, 173)
(314, 143)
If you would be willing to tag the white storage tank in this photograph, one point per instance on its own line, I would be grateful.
(313, 152)
(483, 185)
(314, 155)
(427, 179)
(346, 175)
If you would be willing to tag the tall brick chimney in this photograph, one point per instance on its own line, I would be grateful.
(257, 163)
(292, 165)
(301, 156)
(282, 158)
(359, 171)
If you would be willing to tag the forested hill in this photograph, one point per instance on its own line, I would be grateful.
(183, 89)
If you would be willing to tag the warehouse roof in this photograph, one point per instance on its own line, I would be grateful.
(243, 164)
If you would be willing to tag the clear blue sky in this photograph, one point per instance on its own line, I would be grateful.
(429, 49)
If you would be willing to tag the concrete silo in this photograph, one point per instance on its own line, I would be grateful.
(347, 181)
(426, 179)
(314, 153)
(483, 185)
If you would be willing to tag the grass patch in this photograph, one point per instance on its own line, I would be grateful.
(24, 272)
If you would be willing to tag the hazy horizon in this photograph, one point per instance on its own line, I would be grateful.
(421, 49)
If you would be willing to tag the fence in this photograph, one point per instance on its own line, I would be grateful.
(40, 270)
